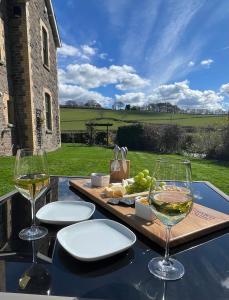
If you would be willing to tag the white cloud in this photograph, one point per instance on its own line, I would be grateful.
(103, 55)
(182, 95)
(207, 62)
(68, 50)
(139, 31)
(180, 15)
(88, 50)
(178, 93)
(76, 80)
(81, 95)
(132, 98)
(225, 88)
(84, 52)
(89, 76)
(191, 64)
(116, 11)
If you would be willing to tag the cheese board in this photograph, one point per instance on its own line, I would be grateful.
(201, 221)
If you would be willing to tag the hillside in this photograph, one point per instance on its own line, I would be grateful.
(74, 119)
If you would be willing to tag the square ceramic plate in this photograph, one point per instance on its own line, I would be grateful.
(65, 212)
(95, 239)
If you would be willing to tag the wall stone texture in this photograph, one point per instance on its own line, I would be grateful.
(25, 79)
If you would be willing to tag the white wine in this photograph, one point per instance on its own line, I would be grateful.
(171, 206)
(32, 186)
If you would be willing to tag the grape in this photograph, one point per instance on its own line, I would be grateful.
(148, 178)
(145, 172)
(136, 178)
(141, 175)
(143, 181)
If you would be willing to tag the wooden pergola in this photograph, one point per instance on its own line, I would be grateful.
(91, 125)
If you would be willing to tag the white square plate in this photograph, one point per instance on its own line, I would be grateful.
(95, 239)
(65, 212)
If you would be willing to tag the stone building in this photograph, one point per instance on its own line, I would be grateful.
(29, 110)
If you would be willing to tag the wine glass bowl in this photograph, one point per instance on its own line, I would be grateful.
(31, 179)
(171, 201)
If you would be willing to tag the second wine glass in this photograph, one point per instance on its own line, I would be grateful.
(171, 201)
(31, 179)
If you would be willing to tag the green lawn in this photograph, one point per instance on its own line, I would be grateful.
(74, 119)
(82, 160)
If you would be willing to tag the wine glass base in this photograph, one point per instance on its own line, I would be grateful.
(33, 233)
(167, 271)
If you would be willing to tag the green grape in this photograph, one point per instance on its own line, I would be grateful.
(141, 175)
(143, 181)
(136, 178)
(145, 172)
(149, 179)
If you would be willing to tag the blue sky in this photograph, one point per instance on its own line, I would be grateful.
(144, 51)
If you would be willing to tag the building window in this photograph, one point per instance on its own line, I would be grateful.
(17, 11)
(48, 112)
(10, 108)
(45, 48)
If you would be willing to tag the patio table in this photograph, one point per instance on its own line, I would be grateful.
(123, 276)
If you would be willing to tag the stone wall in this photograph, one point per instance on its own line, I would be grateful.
(24, 79)
(5, 95)
(44, 78)
(20, 73)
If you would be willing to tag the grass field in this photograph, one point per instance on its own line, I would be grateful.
(83, 160)
(74, 119)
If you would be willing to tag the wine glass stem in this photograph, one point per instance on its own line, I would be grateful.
(33, 212)
(168, 231)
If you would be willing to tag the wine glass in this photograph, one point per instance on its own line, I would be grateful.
(31, 179)
(171, 201)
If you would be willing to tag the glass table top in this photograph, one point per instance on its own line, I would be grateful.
(123, 276)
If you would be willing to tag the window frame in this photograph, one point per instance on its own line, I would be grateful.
(48, 118)
(45, 50)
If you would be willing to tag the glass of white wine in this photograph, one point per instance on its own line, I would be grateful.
(31, 179)
(171, 201)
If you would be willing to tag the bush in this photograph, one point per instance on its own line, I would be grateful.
(98, 137)
(211, 142)
(138, 137)
(75, 137)
(225, 145)
(172, 138)
(222, 151)
(166, 139)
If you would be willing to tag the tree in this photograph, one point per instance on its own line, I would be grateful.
(120, 104)
(70, 103)
(127, 107)
(92, 104)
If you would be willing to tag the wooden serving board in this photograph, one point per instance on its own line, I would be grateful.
(201, 221)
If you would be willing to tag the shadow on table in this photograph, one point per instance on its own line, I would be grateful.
(91, 269)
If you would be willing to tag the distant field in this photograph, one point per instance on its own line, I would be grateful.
(74, 119)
